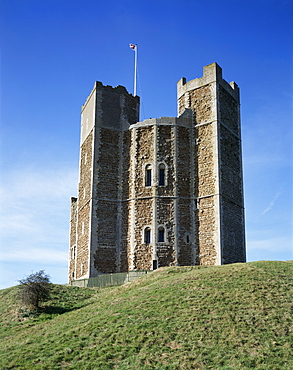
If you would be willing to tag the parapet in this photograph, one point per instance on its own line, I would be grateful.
(117, 89)
(184, 119)
(121, 90)
(211, 73)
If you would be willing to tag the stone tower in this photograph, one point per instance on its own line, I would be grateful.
(161, 192)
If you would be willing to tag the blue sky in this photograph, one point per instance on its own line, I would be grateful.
(52, 52)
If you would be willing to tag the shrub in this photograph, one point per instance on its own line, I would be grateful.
(34, 289)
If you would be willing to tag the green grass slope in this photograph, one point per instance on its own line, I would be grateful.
(220, 317)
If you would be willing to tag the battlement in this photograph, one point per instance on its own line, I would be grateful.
(211, 73)
(117, 89)
(98, 86)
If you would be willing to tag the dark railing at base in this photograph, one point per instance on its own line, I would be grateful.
(105, 280)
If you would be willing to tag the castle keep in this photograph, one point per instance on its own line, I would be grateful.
(162, 192)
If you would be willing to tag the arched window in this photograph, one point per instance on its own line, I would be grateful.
(161, 234)
(161, 174)
(148, 175)
(147, 235)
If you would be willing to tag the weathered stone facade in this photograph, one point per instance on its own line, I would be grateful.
(161, 192)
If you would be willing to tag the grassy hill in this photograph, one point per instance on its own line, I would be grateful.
(220, 317)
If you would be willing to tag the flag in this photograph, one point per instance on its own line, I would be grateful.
(132, 46)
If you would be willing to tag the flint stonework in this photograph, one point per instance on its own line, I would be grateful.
(162, 192)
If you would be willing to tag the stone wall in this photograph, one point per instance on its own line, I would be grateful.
(206, 226)
(229, 111)
(232, 207)
(127, 164)
(72, 239)
(202, 101)
(233, 233)
(143, 218)
(83, 235)
(185, 253)
(183, 162)
(125, 251)
(144, 155)
(166, 155)
(84, 207)
(231, 169)
(107, 164)
(143, 204)
(106, 231)
(85, 171)
(205, 160)
(106, 195)
(165, 217)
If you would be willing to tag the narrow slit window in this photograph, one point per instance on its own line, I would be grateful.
(148, 175)
(161, 235)
(147, 235)
(155, 264)
(161, 175)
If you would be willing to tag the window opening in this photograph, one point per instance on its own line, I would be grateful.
(161, 235)
(161, 175)
(147, 235)
(187, 238)
(148, 175)
(73, 253)
(155, 264)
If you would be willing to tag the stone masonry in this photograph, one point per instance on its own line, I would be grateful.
(163, 192)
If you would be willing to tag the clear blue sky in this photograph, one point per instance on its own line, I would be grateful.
(52, 52)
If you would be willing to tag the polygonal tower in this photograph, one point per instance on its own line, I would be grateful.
(218, 163)
(95, 230)
(161, 192)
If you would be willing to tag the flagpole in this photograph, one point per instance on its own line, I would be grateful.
(135, 70)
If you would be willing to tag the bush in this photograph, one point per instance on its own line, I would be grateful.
(34, 289)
